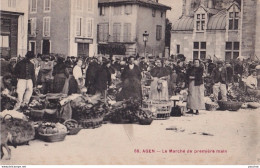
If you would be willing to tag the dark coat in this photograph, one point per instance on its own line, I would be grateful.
(91, 76)
(159, 72)
(103, 79)
(222, 75)
(197, 72)
(131, 79)
(21, 71)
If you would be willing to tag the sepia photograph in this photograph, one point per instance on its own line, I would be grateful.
(130, 82)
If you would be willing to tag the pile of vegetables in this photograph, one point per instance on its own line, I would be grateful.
(52, 128)
(129, 111)
(37, 104)
(235, 93)
(84, 109)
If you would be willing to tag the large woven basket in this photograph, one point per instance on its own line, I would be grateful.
(52, 137)
(211, 107)
(91, 123)
(229, 105)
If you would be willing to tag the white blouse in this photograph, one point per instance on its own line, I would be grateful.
(77, 72)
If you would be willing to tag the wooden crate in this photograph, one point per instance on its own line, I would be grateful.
(161, 109)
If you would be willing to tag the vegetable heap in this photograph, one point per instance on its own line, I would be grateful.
(128, 111)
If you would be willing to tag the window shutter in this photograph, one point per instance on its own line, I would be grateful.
(29, 26)
(106, 32)
(89, 25)
(84, 27)
(78, 26)
(125, 32)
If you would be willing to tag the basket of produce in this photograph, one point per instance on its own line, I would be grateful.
(51, 132)
(229, 105)
(91, 123)
(211, 106)
(72, 126)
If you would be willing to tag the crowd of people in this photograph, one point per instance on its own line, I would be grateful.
(94, 75)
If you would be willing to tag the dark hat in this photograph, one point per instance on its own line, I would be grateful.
(29, 55)
(219, 62)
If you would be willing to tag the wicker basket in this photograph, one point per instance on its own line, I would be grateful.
(211, 107)
(229, 105)
(146, 121)
(91, 123)
(72, 131)
(52, 137)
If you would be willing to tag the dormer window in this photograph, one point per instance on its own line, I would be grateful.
(233, 20)
(201, 20)
(233, 16)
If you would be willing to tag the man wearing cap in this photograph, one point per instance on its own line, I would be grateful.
(219, 79)
(24, 71)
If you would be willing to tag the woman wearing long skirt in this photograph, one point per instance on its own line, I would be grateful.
(195, 99)
(159, 85)
(60, 73)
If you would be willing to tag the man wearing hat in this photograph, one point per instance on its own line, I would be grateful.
(219, 79)
(24, 71)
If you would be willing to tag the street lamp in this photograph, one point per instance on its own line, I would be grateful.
(145, 38)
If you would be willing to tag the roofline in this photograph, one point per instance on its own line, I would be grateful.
(11, 13)
(147, 4)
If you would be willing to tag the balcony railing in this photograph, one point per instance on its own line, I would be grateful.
(118, 39)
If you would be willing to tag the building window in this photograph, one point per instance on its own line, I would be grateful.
(200, 23)
(89, 27)
(127, 32)
(4, 41)
(232, 50)
(178, 48)
(233, 20)
(117, 10)
(103, 29)
(33, 6)
(79, 4)
(32, 27)
(158, 32)
(161, 14)
(199, 50)
(102, 10)
(46, 26)
(90, 5)
(128, 9)
(116, 32)
(153, 12)
(47, 5)
(78, 26)
(11, 3)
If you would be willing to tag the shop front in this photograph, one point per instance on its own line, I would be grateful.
(83, 46)
(9, 34)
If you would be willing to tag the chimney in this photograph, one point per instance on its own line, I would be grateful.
(210, 4)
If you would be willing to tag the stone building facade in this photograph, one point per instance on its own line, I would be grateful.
(13, 30)
(123, 22)
(223, 29)
(63, 27)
